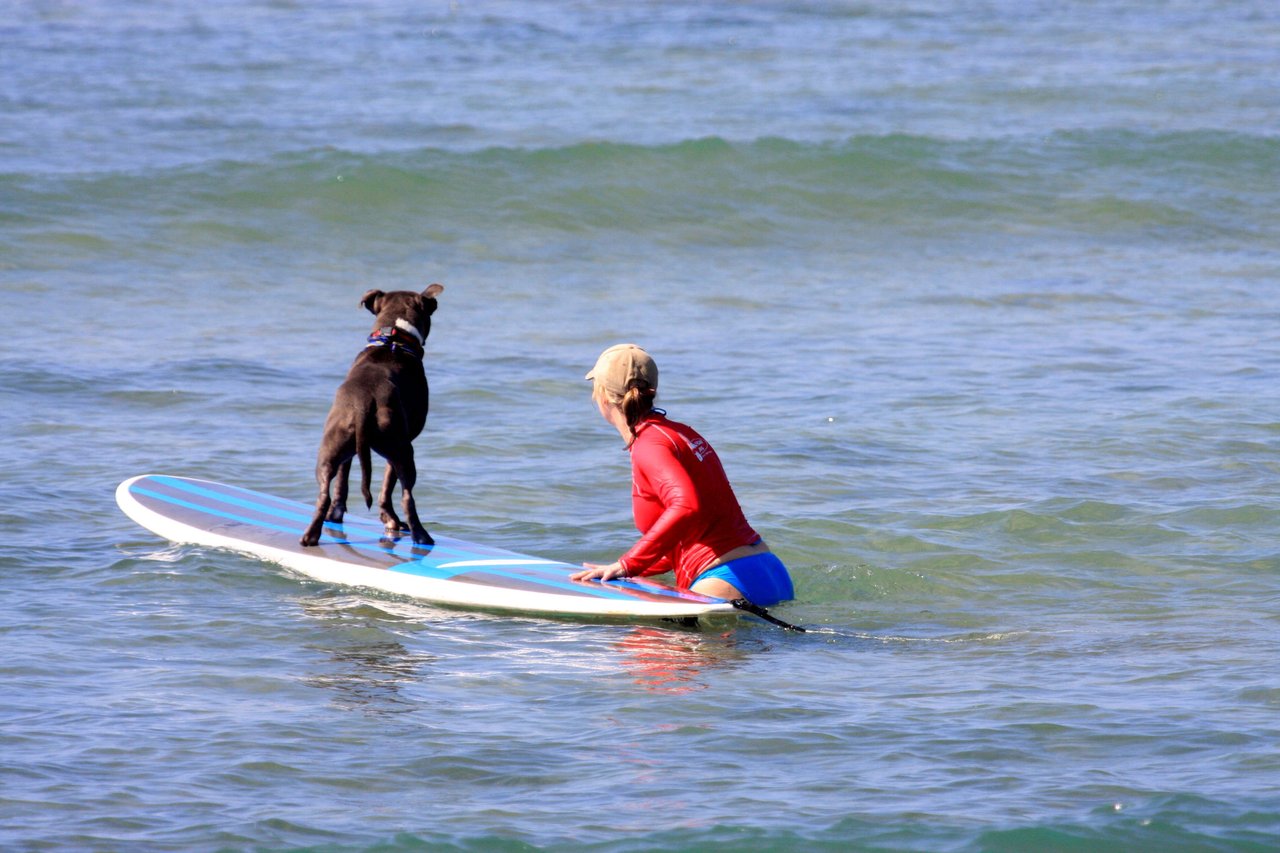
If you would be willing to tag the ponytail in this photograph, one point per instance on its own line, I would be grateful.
(636, 403)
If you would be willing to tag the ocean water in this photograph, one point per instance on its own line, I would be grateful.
(977, 301)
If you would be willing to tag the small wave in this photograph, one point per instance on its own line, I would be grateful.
(712, 189)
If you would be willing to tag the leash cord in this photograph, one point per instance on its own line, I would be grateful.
(757, 610)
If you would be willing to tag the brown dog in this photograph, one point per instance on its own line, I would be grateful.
(381, 406)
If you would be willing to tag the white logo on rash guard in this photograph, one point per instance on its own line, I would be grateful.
(700, 448)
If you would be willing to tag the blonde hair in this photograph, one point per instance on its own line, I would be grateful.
(635, 403)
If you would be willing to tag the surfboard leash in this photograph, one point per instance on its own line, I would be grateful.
(757, 610)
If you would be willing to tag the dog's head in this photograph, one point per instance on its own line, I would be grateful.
(404, 309)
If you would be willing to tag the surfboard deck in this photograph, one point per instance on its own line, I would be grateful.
(451, 572)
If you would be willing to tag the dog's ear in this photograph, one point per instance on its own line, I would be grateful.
(371, 299)
(429, 297)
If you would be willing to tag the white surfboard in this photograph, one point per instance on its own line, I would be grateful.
(450, 572)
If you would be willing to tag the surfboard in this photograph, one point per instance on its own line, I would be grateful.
(357, 553)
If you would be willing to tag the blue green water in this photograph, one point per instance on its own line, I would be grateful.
(978, 303)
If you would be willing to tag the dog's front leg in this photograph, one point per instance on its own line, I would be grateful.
(406, 471)
(420, 534)
(409, 479)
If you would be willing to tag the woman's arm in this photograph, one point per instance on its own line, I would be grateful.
(665, 473)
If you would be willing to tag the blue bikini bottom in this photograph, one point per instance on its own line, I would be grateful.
(761, 578)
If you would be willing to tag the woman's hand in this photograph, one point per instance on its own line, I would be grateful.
(595, 571)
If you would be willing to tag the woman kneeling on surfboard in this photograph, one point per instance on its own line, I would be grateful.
(689, 519)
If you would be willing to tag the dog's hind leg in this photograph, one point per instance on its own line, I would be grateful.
(339, 506)
(324, 476)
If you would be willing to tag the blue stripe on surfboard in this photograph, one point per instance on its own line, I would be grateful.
(475, 555)
(291, 509)
(538, 571)
(301, 515)
(484, 556)
(258, 502)
(208, 510)
(409, 566)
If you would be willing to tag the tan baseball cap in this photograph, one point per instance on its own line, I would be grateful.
(620, 364)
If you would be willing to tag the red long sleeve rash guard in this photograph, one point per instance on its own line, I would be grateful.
(683, 504)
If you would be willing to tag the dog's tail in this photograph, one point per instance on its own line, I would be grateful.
(366, 463)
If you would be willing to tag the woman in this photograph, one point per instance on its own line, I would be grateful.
(684, 507)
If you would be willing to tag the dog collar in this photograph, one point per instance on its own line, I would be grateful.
(397, 339)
